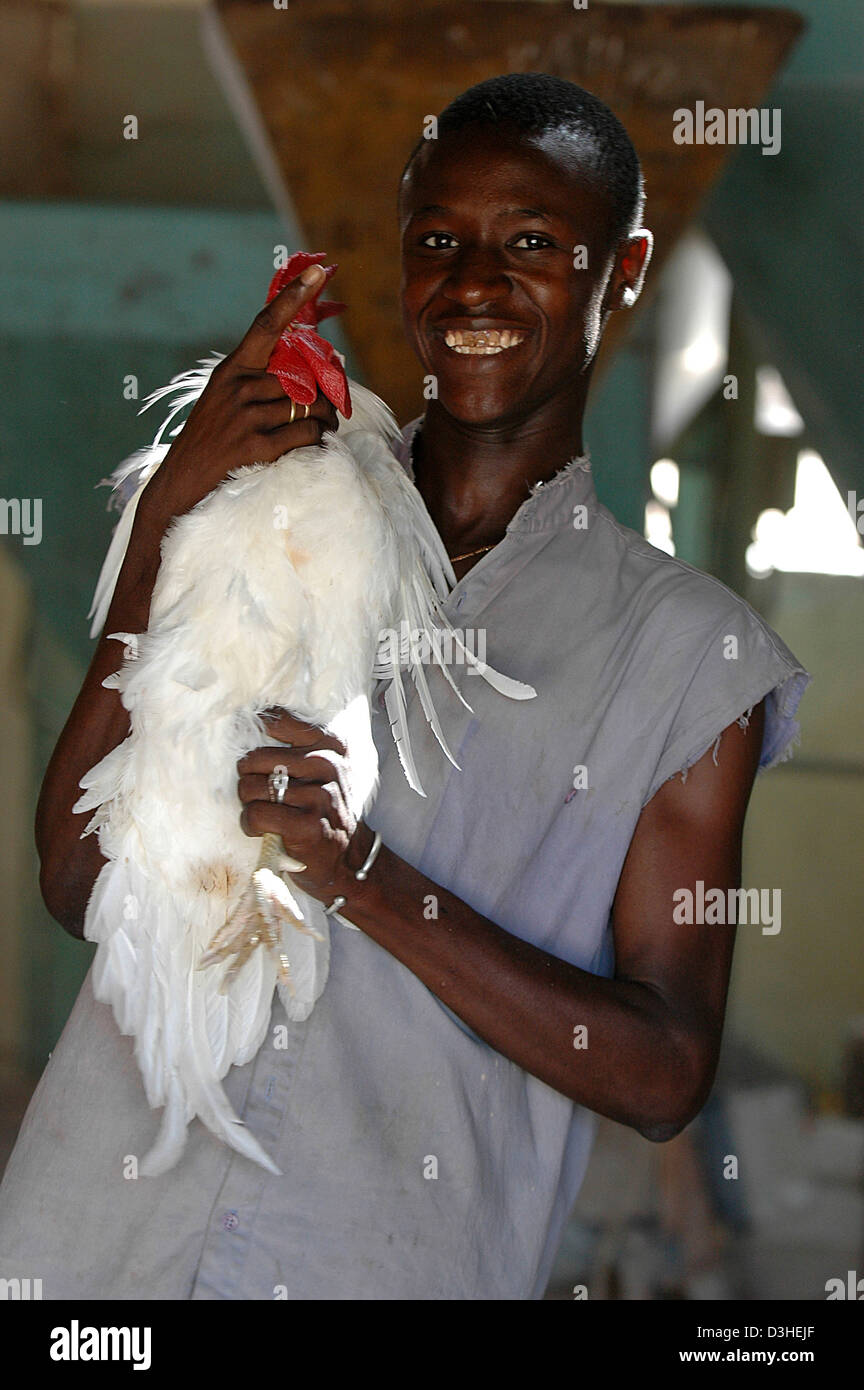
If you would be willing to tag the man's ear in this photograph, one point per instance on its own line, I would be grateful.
(628, 275)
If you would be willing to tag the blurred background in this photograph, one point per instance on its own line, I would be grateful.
(155, 156)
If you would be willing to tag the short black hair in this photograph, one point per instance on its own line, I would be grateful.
(534, 103)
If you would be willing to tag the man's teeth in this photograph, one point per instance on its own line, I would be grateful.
(481, 342)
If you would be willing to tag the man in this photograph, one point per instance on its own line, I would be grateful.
(518, 962)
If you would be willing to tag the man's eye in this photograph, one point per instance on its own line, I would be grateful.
(443, 240)
(540, 242)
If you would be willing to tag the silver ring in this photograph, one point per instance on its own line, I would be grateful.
(335, 906)
(277, 783)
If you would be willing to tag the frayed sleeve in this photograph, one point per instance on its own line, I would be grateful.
(742, 662)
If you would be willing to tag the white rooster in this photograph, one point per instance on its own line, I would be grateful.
(283, 587)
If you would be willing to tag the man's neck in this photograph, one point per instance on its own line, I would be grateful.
(473, 480)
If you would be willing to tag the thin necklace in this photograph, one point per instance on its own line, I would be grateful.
(468, 553)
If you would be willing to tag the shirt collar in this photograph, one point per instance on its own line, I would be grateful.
(550, 506)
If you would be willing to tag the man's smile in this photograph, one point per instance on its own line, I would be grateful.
(482, 341)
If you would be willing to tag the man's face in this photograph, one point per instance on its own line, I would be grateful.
(490, 224)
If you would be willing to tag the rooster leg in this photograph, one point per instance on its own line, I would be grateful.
(265, 908)
(237, 931)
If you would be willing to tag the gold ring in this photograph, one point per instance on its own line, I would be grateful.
(293, 414)
(307, 411)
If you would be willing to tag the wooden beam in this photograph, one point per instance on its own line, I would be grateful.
(36, 66)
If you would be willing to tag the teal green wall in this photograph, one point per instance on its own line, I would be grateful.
(617, 432)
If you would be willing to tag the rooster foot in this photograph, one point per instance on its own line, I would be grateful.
(264, 910)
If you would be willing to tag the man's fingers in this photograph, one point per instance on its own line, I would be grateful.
(297, 732)
(266, 818)
(266, 328)
(276, 414)
(270, 445)
(319, 797)
(258, 387)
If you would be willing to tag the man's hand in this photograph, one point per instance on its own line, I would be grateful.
(313, 820)
(241, 417)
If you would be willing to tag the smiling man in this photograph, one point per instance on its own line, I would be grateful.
(518, 963)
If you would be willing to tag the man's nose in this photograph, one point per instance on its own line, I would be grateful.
(477, 275)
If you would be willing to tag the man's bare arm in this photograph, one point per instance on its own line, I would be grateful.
(654, 1029)
(98, 722)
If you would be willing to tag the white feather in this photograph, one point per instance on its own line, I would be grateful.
(274, 590)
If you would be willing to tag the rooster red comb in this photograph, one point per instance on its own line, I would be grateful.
(302, 360)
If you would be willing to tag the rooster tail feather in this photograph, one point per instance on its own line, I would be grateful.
(439, 627)
(208, 1098)
(418, 675)
(171, 1139)
(505, 685)
(397, 712)
(212, 1105)
(107, 580)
